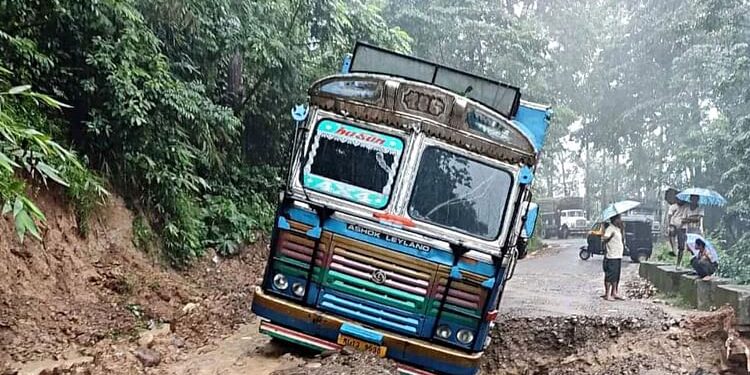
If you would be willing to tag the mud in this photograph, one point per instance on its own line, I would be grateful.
(595, 345)
(70, 297)
(100, 306)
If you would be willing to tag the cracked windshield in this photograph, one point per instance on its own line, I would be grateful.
(459, 193)
(406, 187)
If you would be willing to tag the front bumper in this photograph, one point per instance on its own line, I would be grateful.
(295, 318)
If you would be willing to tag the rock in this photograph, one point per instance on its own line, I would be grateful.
(313, 365)
(156, 334)
(348, 350)
(148, 357)
(178, 341)
(287, 357)
(146, 339)
(327, 353)
(190, 307)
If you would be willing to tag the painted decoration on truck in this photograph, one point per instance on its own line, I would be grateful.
(352, 163)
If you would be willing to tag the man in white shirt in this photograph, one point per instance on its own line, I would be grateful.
(674, 220)
(614, 241)
(691, 221)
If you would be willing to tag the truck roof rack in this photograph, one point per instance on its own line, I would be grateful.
(499, 96)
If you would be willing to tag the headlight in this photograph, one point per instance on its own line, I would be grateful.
(280, 282)
(298, 289)
(465, 336)
(444, 332)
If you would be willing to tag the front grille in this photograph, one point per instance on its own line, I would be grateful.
(352, 268)
(465, 299)
(294, 251)
(369, 313)
(581, 223)
(299, 248)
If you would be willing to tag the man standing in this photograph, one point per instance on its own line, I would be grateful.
(674, 220)
(691, 221)
(613, 240)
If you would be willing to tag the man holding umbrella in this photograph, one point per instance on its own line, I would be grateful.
(705, 260)
(614, 241)
(692, 213)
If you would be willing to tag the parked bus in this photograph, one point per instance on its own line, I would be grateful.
(406, 206)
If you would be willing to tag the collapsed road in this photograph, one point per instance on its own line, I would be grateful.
(552, 321)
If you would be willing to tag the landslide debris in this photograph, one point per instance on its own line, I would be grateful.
(599, 345)
(95, 296)
(639, 289)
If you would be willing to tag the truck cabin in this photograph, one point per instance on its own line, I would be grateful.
(403, 212)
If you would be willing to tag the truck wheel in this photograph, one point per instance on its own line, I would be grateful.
(584, 254)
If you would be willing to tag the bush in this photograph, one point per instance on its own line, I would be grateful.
(26, 151)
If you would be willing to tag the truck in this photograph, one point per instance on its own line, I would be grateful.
(405, 210)
(562, 217)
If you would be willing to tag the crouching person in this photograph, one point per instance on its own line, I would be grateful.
(705, 261)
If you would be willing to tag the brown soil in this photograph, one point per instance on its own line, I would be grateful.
(68, 296)
(585, 345)
(100, 306)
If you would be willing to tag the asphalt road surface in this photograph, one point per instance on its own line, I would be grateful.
(556, 282)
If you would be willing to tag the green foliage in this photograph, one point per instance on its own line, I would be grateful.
(143, 235)
(84, 192)
(182, 104)
(24, 150)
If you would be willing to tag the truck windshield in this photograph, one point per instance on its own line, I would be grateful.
(459, 193)
(352, 163)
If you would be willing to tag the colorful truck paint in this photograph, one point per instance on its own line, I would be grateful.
(349, 266)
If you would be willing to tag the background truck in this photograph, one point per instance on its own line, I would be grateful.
(562, 217)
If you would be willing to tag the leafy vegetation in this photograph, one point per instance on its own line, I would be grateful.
(182, 105)
(26, 151)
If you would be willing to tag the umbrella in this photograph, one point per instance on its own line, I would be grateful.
(690, 242)
(617, 208)
(707, 197)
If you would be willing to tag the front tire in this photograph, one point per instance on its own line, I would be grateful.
(584, 254)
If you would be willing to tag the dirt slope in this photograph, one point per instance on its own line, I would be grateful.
(100, 306)
(71, 297)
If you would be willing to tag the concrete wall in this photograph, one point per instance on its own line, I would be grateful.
(703, 295)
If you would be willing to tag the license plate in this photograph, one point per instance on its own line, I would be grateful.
(363, 346)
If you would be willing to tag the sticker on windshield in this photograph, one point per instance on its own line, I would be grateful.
(352, 163)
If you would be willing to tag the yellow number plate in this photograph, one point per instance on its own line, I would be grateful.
(363, 346)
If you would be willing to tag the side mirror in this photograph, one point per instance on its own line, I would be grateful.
(531, 216)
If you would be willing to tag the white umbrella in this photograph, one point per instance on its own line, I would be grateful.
(617, 208)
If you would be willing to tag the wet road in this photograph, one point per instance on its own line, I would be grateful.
(556, 282)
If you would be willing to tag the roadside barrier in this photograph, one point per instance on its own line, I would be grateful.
(703, 295)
